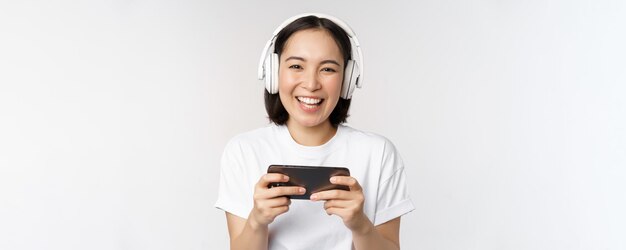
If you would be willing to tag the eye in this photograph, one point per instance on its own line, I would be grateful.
(295, 66)
(329, 70)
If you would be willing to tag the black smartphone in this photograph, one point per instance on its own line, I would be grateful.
(313, 178)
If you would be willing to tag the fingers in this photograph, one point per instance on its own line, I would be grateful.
(269, 193)
(355, 192)
(263, 192)
(350, 211)
(265, 211)
(335, 211)
(266, 179)
(271, 202)
(337, 204)
(349, 181)
(282, 191)
(332, 205)
(276, 202)
(334, 194)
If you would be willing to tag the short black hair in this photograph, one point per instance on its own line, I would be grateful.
(274, 107)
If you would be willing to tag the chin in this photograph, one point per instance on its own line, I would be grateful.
(309, 122)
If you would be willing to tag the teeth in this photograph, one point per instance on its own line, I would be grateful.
(310, 101)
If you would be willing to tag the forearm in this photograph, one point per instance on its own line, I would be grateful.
(371, 239)
(252, 237)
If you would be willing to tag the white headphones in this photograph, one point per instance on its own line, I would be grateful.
(353, 73)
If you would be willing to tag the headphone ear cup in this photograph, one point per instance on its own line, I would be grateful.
(267, 69)
(349, 79)
(271, 82)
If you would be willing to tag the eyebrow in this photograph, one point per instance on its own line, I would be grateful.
(302, 59)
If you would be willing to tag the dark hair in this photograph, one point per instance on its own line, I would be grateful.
(274, 107)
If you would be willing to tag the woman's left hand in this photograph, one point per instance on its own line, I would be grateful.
(346, 204)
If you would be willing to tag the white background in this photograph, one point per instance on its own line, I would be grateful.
(510, 116)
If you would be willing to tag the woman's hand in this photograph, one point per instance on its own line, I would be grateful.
(346, 204)
(271, 202)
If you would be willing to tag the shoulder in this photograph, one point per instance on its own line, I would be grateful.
(380, 151)
(365, 138)
(254, 138)
(254, 134)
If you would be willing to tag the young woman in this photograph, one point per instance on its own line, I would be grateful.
(311, 70)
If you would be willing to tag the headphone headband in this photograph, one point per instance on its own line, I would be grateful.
(356, 47)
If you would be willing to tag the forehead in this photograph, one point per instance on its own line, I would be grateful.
(313, 44)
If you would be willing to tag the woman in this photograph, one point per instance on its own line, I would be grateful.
(310, 73)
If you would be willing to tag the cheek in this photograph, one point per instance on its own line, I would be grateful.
(284, 96)
(334, 85)
(286, 81)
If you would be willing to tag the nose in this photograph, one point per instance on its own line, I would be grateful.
(311, 81)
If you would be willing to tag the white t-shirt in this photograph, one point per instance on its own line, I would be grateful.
(371, 159)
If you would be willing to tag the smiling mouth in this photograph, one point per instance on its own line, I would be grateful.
(309, 102)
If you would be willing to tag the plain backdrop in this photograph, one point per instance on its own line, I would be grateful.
(510, 117)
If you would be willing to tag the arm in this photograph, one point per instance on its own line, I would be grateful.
(252, 234)
(349, 206)
(384, 236)
(244, 234)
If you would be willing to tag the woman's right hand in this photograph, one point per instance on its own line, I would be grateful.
(271, 202)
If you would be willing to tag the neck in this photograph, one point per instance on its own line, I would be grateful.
(311, 136)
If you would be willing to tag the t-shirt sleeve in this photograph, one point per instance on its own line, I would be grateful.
(233, 195)
(393, 199)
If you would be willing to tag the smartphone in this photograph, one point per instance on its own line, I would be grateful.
(313, 178)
